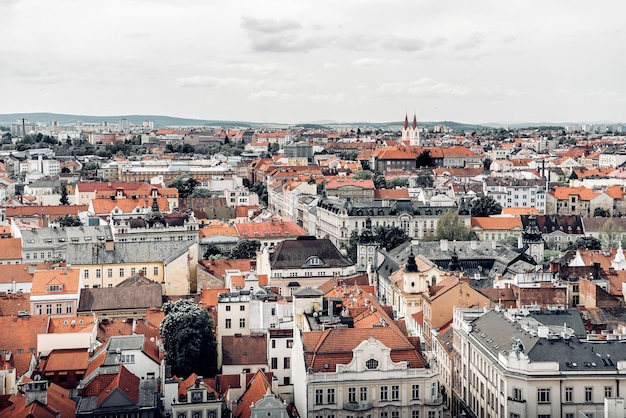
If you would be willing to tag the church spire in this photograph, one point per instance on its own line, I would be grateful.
(414, 121)
(406, 121)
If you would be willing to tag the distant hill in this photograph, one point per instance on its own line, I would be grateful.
(161, 121)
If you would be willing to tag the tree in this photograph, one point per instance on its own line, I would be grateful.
(424, 179)
(261, 190)
(65, 170)
(200, 192)
(68, 220)
(274, 148)
(485, 206)
(389, 237)
(363, 175)
(351, 248)
(610, 235)
(245, 249)
(398, 183)
(185, 185)
(601, 212)
(424, 160)
(211, 251)
(64, 199)
(380, 182)
(589, 243)
(451, 227)
(188, 338)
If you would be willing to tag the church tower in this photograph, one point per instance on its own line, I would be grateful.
(367, 248)
(531, 240)
(410, 132)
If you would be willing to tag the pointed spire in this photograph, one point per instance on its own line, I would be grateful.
(414, 121)
(411, 264)
(406, 121)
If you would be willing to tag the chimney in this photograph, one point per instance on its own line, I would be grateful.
(473, 244)
(444, 244)
(37, 391)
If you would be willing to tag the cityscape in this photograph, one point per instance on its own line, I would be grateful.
(402, 269)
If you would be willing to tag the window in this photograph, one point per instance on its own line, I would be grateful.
(273, 343)
(228, 323)
(127, 358)
(517, 394)
(608, 391)
(86, 274)
(68, 309)
(48, 309)
(109, 272)
(242, 308)
(155, 271)
(286, 380)
(543, 395)
(98, 273)
(133, 270)
(55, 288)
(287, 362)
(289, 343)
(569, 395)
(569, 415)
(59, 309)
(415, 392)
(274, 363)
(363, 394)
(38, 310)
(227, 308)
(588, 394)
(351, 394)
(371, 364)
(122, 272)
(395, 393)
(319, 396)
(431, 414)
(242, 322)
(383, 393)
(395, 414)
(415, 414)
(330, 396)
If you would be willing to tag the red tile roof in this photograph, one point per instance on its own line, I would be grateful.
(270, 229)
(21, 332)
(497, 223)
(123, 382)
(257, 388)
(66, 360)
(68, 279)
(58, 399)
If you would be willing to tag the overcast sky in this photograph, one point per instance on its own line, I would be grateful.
(295, 61)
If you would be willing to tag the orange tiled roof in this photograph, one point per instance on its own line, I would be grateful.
(209, 296)
(69, 279)
(58, 400)
(257, 388)
(219, 267)
(616, 192)
(391, 194)
(65, 325)
(127, 205)
(53, 211)
(520, 211)
(497, 223)
(10, 248)
(347, 182)
(21, 333)
(66, 360)
(271, 229)
(583, 193)
(124, 381)
(218, 229)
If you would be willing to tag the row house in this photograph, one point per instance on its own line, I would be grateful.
(347, 188)
(539, 364)
(352, 359)
(56, 292)
(517, 193)
(337, 218)
(497, 228)
(577, 201)
(283, 195)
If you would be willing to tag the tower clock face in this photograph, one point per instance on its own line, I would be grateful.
(370, 249)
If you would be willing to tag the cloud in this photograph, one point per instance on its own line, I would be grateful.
(268, 95)
(419, 88)
(367, 62)
(404, 44)
(325, 98)
(209, 81)
(270, 35)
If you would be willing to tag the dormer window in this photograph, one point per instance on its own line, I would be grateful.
(55, 287)
(371, 364)
(314, 261)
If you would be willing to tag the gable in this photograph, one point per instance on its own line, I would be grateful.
(116, 398)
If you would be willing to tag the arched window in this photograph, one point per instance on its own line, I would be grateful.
(371, 364)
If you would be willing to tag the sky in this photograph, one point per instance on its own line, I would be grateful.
(304, 61)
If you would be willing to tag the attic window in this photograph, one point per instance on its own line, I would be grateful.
(314, 261)
(55, 287)
(371, 364)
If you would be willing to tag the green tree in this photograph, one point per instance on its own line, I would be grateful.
(451, 227)
(380, 182)
(68, 220)
(601, 212)
(398, 183)
(363, 175)
(485, 206)
(424, 160)
(200, 192)
(589, 243)
(185, 185)
(261, 190)
(64, 199)
(188, 338)
(610, 235)
(352, 245)
(211, 250)
(389, 237)
(274, 148)
(245, 249)
(424, 179)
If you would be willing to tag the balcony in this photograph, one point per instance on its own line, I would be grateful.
(358, 406)
(434, 401)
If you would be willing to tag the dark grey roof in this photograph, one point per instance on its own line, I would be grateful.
(496, 333)
(108, 298)
(383, 208)
(295, 253)
(127, 252)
